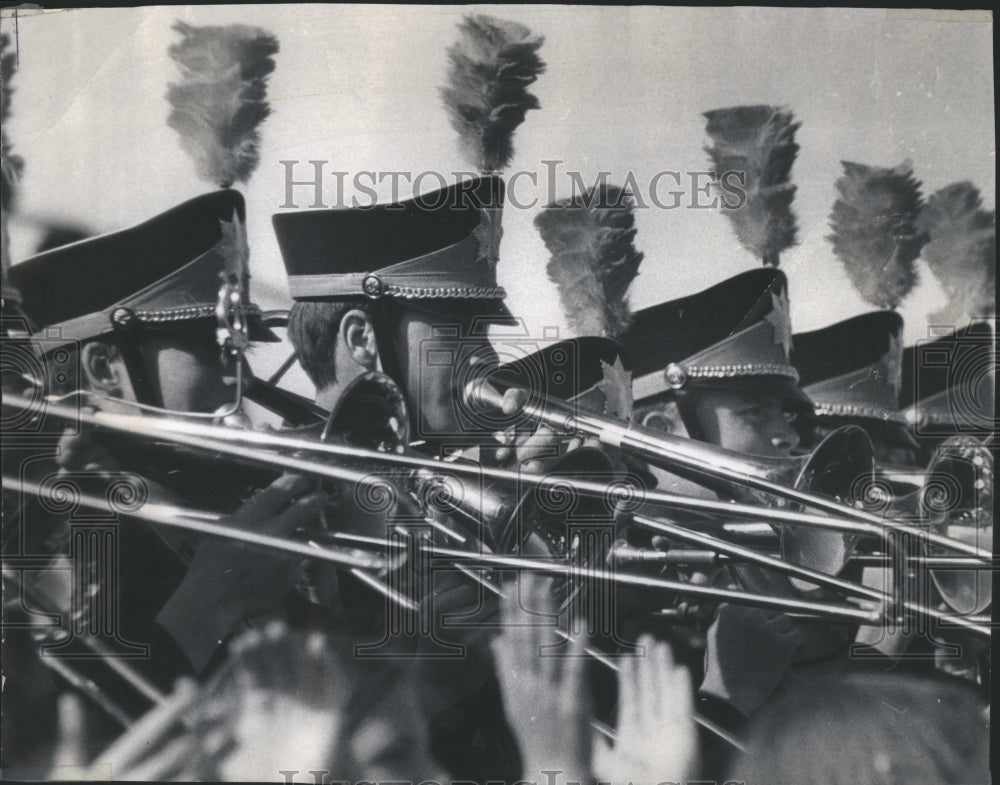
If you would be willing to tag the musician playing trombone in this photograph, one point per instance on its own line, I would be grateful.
(128, 322)
(715, 366)
(408, 289)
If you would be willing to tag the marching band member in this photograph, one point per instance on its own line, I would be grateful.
(852, 372)
(717, 365)
(407, 288)
(721, 357)
(129, 318)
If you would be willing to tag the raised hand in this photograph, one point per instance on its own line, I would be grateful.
(545, 697)
(282, 694)
(657, 740)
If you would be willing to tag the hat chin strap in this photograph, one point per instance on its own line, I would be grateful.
(685, 405)
(146, 391)
(388, 355)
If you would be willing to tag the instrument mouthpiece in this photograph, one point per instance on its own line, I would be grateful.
(479, 392)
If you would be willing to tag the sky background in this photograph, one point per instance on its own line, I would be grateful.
(623, 92)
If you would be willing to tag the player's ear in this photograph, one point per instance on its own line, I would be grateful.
(104, 369)
(357, 334)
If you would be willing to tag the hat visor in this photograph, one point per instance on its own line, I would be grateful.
(492, 311)
(783, 388)
(257, 331)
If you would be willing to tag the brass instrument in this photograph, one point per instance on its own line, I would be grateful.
(267, 449)
(956, 501)
(382, 403)
(833, 479)
(359, 554)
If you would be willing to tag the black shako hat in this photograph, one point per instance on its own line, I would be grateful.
(948, 383)
(162, 274)
(852, 369)
(433, 251)
(737, 329)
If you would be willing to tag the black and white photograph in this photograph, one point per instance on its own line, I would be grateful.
(497, 394)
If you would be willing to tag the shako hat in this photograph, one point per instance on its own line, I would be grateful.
(852, 369)
(163, 274)
(436, 251)
(737, 329)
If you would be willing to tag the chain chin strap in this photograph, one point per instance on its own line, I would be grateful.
(233, 336)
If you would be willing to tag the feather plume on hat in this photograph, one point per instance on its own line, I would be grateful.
(594, 259)
(961, 251)
(492, 65)
(874, 230)
(759, 143)
(11, 166)
(220, 102)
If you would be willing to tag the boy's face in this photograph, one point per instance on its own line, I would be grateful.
(187, 370)
(747, 418)
(437, 363)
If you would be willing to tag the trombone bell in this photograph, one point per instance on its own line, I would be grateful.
(833, 469)
(956, 500)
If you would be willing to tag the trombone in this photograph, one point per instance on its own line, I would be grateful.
(208, 523)
(357, 555)
(260, 448)
(790, 480)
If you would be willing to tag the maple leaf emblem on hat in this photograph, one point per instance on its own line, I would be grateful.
(891, 364)
(617, 389)
(780, 322)
(233, 247)
(234, 295)
(488, 235)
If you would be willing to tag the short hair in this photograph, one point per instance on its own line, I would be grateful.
(314, 329)
(883, 729)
